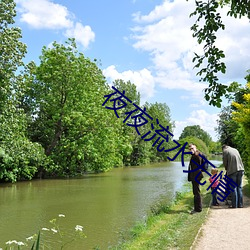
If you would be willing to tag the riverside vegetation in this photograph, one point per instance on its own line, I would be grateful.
(172, 226)
(52, 237)
(52, 121)
(165, 218)
(166, 227)
(169, 226)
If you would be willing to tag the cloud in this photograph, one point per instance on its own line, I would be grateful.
(198, 117)
(165, 34)
(143, 80)
(44, 14)
(83, 34)
(158, 13)
(234, 41)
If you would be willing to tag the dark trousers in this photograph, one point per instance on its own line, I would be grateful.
(214, 196)
(197, 196)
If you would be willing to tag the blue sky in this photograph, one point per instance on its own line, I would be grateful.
(148, 42)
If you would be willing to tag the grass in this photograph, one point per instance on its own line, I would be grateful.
(169, 227)
(246, 187)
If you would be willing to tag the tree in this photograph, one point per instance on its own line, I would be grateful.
(241, 115)
(12, 51)
(198, 142)
(215, 148)
(159, 111)
(196, 131)
(208, 23)
(66, 92)
(227, 127)
(19, 158)
(129, 139)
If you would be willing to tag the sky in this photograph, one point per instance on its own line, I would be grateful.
(147, 42)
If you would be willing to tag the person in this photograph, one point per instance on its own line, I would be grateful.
(235, 170)
(215, 183)
(195, 177)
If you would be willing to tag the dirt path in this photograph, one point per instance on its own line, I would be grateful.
(225, 228)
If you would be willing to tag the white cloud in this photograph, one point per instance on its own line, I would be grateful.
(159, 12)
(165, 33)
(44, 14)
(167, 36)
(198, 117)
(234, 41)
(143, 80)
(83, 34)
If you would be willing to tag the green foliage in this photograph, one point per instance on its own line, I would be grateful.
(205, 28)
(237, 8)
(227, 127)
(143, 150)
(36, 243)
(196, 131)
(201, 146)
(169, 226)
(161, 112)
(65, 97)
(233, 123)
(131, 145)
(52, 121)
(12, 50)
(215, 148)
(20, 158)
(240, 115)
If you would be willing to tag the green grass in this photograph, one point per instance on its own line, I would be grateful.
(169, 227)
(246, 187)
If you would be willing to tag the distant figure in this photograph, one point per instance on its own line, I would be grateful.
(214, 172)
(195, 177)
(235, 169)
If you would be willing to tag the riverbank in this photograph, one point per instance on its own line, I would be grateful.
(174, 228)
(169, 227)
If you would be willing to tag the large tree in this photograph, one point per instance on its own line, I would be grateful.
(196, 131)
(130, 142)
(66, 92)
(241, 115)
(198, 142)
(211, 63)
(160, 112)
(19, 158)
(12, 51)
(227, 127)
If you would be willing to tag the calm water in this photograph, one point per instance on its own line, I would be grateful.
(104, 204)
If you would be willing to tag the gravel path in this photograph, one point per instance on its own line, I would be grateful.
(225, 228)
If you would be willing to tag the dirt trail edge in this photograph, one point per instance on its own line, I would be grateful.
(225, 228)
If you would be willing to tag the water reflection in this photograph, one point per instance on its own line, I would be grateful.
(104, 204)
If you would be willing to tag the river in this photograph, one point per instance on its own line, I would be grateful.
(104, 204)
